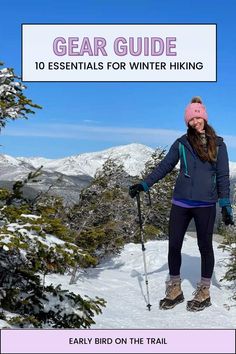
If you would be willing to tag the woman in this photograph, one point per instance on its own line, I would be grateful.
(203, 179)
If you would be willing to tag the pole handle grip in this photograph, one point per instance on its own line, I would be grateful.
(149, 198)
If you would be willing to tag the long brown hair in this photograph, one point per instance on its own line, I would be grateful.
(209, 154)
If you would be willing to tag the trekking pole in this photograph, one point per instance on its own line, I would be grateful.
(149, 198)
(143, 249)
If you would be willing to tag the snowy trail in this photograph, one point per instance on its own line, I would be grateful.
(121, 283)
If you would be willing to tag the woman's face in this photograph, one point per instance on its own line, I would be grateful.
(197, 123)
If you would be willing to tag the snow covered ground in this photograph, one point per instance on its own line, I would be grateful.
(120, 281)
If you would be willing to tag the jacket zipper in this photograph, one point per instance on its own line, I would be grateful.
(194, 167)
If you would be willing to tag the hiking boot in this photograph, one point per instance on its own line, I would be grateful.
(174, 295)
(201, 298)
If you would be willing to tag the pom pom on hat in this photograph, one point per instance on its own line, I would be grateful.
(195, 109)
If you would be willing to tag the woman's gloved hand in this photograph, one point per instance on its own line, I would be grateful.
(135, 189)
(226, 211)
(227, 215)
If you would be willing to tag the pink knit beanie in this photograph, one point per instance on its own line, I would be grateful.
(195, 109)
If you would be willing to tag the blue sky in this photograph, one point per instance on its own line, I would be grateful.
(85, 117)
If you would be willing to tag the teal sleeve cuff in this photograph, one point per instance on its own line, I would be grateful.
(224, 202)
(145, 186)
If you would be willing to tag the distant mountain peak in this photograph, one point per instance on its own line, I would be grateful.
(7, 159)
(133, 156)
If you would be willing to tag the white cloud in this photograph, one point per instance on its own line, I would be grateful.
(90, 121)
(95, 133)
(160, 137)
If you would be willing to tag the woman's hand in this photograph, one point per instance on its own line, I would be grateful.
(227, 215)
(135, 189)
(226, 211)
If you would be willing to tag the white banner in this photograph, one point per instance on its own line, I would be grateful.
(119, 52)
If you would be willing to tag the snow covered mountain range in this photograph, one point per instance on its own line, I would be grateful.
(71, 174)
(133, 156)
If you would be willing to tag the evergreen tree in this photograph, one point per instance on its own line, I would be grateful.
(104, 214)
(229, 244)
(106, 217)
(35, 242)
(13, 103)
(161, 194)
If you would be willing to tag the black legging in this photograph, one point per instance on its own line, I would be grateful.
(179, 220)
